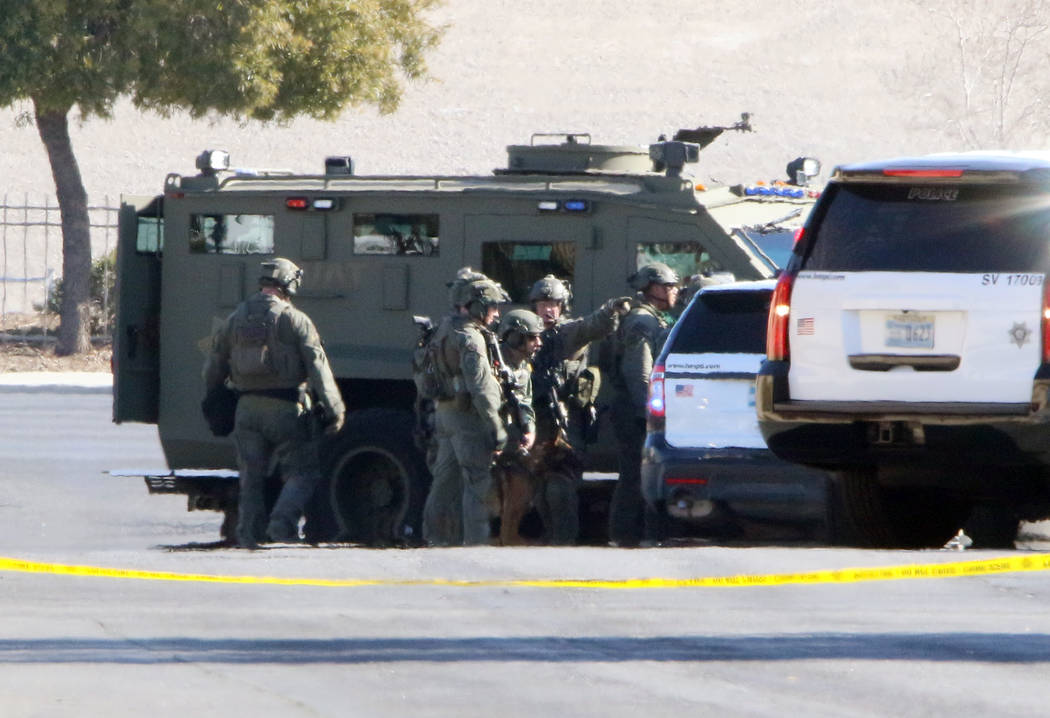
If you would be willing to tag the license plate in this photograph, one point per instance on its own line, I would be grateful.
(909, 331)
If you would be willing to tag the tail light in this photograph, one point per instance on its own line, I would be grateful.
(1046, 319)
(656, 407)
(777, 348)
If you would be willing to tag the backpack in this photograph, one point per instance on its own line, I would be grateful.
(256, 351)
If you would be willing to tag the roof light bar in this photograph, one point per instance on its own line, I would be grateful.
(923, 172)
(320, 204)
(569, 205)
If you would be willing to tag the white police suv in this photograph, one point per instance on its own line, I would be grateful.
(908, 346)
(705, 466)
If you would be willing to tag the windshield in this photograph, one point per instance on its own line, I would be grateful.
(931, 228)
(774, 247)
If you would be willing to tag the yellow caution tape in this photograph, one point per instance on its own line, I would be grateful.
(1006, 564)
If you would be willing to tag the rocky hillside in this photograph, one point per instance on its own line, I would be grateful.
(815, 74)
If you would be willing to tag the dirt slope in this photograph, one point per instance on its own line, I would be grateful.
(813, 72)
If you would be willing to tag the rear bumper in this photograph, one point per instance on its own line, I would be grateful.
(836, 435)
(750, 483)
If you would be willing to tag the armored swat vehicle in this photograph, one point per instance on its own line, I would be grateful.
(377, 250)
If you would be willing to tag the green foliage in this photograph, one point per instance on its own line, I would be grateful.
(103, 299)
(258, 59)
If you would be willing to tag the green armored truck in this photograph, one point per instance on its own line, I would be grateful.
(377, 250)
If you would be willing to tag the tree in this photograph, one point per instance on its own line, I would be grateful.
(267, 60)
(986, 85)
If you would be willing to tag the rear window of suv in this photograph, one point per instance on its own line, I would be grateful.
(932, 228)
(724, 322)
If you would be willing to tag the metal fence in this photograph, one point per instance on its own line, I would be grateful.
(31, 251)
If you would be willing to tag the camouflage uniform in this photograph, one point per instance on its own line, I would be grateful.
(639, 340)
(558, 365)
(272, 353)
(469, 431)
(520, 369)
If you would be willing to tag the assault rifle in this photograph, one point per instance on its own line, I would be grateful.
(508, 384)
(425, 327)
(552, 384)
(427, 387)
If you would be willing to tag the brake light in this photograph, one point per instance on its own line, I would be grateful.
(799, 234)
(1046, 320)
(779, 319)
(656, 406)
(297, 203)
(923, 173)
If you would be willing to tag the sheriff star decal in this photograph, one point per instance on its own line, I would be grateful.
(1020, 334)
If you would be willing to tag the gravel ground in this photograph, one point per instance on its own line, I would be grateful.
(27, 344)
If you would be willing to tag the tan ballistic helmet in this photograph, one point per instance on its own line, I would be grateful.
(655, 273)
(283, 273)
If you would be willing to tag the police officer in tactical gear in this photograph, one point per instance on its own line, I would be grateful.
(468, 427)
(638, 342)
(271, 354)
(558, 388)
(519, 335)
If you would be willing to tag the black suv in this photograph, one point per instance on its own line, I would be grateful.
(705, 465)
(909, 347)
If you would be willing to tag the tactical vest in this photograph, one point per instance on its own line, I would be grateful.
(258, 357)
(436, 379)
(616, 367)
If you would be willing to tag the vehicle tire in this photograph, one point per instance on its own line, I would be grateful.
(992, 526)
(377, 478)
(869, 515)
(858, 516)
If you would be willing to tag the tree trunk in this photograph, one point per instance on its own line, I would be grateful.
(75, 325)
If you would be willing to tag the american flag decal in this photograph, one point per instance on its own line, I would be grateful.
(805, 326)
(683, 389)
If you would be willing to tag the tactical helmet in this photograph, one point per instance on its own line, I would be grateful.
(521, 321)
(655, 273)
(551, 288)
(282, 273)
(484, 292)
(458, 292)
(476, 292)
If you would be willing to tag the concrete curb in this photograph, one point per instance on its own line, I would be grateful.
(38, 382)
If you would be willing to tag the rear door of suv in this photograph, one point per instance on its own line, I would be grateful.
(710, 365)
(921, 288)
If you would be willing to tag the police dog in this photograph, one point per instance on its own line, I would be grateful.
(520, 477)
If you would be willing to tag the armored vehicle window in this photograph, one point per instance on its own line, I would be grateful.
(686, 258)
(150, 237)
(517, 265)
(231, 233)
(401, 234)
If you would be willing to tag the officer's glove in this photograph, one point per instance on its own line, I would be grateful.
(617, 305)
(527, 441)
(334, 424)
